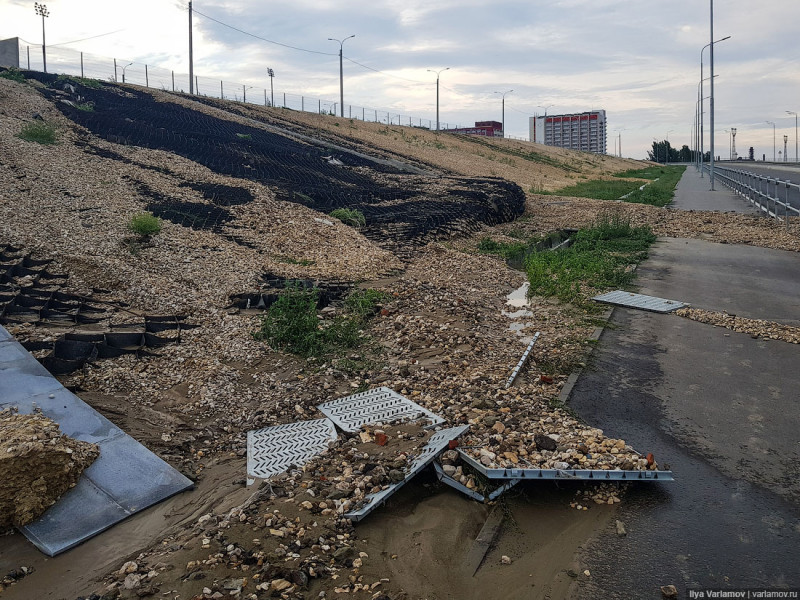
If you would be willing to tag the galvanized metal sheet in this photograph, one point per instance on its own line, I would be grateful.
(435, 446)
(379, 405)
(125, 479)
(598, 475)
(272, 450)
(631, 300)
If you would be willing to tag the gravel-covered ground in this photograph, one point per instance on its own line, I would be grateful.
(440, 338)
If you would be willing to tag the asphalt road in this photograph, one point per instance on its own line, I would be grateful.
(790, 171)
(720, 408)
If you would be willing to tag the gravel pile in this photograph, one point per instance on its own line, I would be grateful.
(757, 328)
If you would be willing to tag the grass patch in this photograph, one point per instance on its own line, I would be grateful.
(659, 192)
(291, 324)
(39, 132)
(144, 225)
(601, 257)
(508, 250)
(348, 216)
(85, 107)
(244, 136)
(13, 75)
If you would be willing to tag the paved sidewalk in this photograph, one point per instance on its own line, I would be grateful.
(694, 193)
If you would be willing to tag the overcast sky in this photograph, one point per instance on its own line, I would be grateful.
(637, 59)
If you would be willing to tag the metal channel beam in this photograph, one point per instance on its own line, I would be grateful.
(437, 443)
(599, 475)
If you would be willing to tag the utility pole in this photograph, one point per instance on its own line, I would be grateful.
(791, 112)
(191, 55)
(341, 71)
(271, 74)
(711, 100)
(734, 156)
(773, 139)
(437, 92)
(785, 140)
(41, 9)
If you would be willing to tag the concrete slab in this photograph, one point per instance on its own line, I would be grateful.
(694, 193)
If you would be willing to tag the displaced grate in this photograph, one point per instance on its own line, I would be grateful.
(380, 405)
(457, 485)
(435, 446)
(631, 300)
(273, 450)
(574, 474)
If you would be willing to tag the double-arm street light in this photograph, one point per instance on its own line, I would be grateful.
(503, 114)
(711, 98)
(773, 139)
(41, 9)
(341, 70)
(437, 92)
(791, 112)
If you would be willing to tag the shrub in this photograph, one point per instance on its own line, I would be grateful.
(144, 224)
(354, 218)
(13, 75)
(39, 132)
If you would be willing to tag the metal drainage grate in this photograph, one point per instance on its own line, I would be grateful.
(457, 485)
(380, 405)
(435, 446)
(272, 450)
(630, 300)
(582, 474)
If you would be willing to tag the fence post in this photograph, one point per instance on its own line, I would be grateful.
(196, 86)
(284, 99)
(146, 77)
(319, 108)
(221, 92)
(115, 70)
(302, 103)
(29, 58)
(81, 65)
(173, 81)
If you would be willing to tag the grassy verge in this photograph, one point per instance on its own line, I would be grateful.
(658, 192)
(291, 324)
(38, 132)
(601, 257)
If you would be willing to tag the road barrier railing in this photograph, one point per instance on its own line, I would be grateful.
(768, 194)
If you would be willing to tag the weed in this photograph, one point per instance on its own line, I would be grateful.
(600, 257)
(14, 75)
(85, 106)
(39, 132)
(144, 225)
(348, 216)
(244, 136)
(291, 324)
(508, 251)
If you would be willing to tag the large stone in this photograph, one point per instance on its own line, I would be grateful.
(544, 442)
(37, 465)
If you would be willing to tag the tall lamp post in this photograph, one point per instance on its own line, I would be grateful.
(773, 139)
(41, 9)
(123, 71)
(503, 114)
(271, 74)
(791, 112)
(341, 70)
(702, 99)
(437, 93)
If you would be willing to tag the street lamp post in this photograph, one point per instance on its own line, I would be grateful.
(711, 45)
(41, 9)
(123, 71)
(437, 92)
(791, 112)
(271, 74)
(773, 139)
(341, 70)
(503, 113)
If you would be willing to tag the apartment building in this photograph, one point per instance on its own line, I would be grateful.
(579, 131)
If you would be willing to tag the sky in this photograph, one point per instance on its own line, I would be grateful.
(638, 60)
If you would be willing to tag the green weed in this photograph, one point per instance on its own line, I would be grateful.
(39, 132)
(354, 218)
(244, 136)
(144, 225)
(13, 75)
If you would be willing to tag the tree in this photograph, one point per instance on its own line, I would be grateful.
(660, 151)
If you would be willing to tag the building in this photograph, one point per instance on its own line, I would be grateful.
(486, 128)
(580, 131)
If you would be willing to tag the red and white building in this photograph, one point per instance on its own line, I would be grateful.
(580, 131)
(485, 128)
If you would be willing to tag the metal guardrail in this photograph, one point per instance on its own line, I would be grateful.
(761, 191)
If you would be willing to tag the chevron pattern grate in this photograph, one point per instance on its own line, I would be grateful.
(272, 450)
(380, 405)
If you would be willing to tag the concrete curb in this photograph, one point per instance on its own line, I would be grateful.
(566, 391)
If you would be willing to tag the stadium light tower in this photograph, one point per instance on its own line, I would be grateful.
(503, 113)
(41, 9)
(341, 71)
(437, 92)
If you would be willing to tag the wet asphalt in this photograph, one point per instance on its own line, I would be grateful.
(719, 408)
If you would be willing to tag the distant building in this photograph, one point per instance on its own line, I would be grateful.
(580, 131)
(486, 128)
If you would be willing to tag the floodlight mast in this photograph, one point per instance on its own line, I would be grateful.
(41, 9)
(437, 92)
(191, 53)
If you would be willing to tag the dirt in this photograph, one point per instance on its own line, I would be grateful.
(38, 464)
